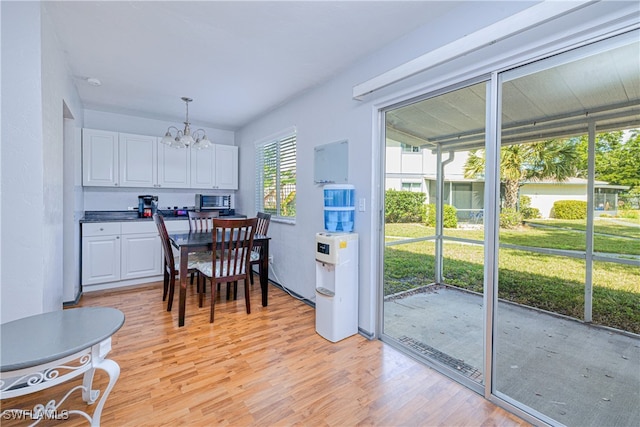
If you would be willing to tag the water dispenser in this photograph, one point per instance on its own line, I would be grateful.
(336, 285)
(339, 207)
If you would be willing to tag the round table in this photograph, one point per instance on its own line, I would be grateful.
(47, 349)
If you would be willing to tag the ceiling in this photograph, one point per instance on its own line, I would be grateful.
(236, 59)
(554, 102)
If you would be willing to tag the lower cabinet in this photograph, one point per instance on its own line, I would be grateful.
(119, 253)
(140, 254)
(100, 253)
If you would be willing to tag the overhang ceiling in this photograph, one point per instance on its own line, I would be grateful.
(236, 59)
(553, 103)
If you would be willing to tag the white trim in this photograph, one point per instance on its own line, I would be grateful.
(284, 133)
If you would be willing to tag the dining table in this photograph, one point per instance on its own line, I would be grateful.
(196, 241)
(44, 350)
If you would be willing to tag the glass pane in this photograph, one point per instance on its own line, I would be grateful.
(551, 354)
(427, 307)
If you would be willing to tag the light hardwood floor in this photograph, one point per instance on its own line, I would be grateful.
(267, 368)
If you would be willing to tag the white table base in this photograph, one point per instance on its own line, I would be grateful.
(30, 380)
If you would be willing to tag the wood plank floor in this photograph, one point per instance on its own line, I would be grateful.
(267, 368)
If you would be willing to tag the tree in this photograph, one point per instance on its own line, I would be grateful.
(536, 161)
(617, 161)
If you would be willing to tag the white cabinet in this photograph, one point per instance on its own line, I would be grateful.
(112, 159)
(215, 167)
(226, 167)
(173, 167)
(138, 160)
(141, 253)
(99, 158)
(118, 251)
(100, 253)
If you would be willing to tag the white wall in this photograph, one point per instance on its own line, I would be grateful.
(58, 90)
(34, 82)
(22, 225)
(543, 196)
(327, 114)
(99, 199)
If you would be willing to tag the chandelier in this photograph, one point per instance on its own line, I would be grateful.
(184, 138)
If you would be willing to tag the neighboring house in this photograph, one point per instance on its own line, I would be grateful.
(411, 168)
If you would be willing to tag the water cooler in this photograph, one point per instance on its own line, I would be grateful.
(337, 267)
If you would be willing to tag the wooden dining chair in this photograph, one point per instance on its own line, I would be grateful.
(200, 222)
(264, 219)
(171, 267)
(231, 263)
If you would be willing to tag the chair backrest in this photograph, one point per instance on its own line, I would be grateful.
(201, 221)
(263, 223)
(236, 236)
(164, 238)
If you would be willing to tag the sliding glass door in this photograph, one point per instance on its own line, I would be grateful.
(512, 234)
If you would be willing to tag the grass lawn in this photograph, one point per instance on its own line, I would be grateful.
(549, 282)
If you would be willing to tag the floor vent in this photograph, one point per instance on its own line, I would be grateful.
(457, 364)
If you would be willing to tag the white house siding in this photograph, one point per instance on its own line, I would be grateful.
(544, 195)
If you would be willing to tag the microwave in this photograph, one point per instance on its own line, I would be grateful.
(206, 202)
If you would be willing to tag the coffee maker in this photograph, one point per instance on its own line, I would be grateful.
(147, 206)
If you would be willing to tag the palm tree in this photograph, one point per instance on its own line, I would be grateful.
(527, 162)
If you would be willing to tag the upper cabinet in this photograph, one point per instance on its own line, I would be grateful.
(173, 167)
(215, 167)
(99, 158)
(112, 159)
(138, 160)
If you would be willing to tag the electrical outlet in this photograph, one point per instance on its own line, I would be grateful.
(270, 259)
(363, 205)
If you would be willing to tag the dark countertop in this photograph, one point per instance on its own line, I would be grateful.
(118, 216)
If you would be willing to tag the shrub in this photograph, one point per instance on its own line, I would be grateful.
(510, 218)
(570, 209)
(450, 216)
(404, 206)
(629, 214)
(529, 213)
(526, 210)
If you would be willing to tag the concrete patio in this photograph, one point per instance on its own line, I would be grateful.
(577, 374)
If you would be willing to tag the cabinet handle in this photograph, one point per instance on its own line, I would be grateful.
(101, 229)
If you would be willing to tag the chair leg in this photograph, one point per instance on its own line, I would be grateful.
(213, 300)
(235, 290)
(192, 274)
(251, 274)
(228, 291)
(202, 289)
(247, 298)
(165, 285)
(172, 288)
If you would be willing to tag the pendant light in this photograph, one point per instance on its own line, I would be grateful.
(184, 138)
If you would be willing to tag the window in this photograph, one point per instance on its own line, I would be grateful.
(276, 175)
(407, 148)
(412, 186)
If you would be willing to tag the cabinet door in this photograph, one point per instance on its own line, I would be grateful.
(141, 255)
(100, 259)
(202, 166)
(226, 167)
(173, 167)
(99, 158)
(138, 160)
